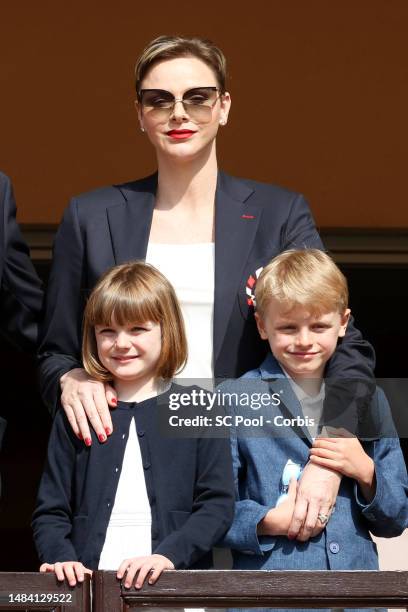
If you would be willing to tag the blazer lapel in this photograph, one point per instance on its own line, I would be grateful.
(130, 220)
(236, 224)
(290, 406)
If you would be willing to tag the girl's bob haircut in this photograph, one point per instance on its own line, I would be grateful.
(171, 47)
(135, 293)
(305, 277)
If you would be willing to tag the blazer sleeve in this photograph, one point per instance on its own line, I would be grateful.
(213, 506)
(21, 292)
(52, 518)
(387, 513)
(242, 535)
(60, 333)
(350, 371)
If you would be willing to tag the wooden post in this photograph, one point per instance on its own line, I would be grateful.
(35, 591)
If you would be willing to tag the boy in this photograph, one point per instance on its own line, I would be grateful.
(302, 310)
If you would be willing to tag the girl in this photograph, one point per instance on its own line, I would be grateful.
(140, 503)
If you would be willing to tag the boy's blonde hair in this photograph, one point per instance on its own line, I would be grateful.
(135, 293)
(307, 278)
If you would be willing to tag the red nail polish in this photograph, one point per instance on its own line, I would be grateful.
(101, 438)
(79, 436)
(88, 441)
(108, 431)
(114, 401)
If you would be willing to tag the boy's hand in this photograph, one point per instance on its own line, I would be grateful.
(277, 520)
(317, 494)
(143, 565)
(73, 571)
(345, 455)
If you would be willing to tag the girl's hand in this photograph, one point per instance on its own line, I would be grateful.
(73, 571)
(345, 455)
(277, 520)
(83, 399)
(142, 566)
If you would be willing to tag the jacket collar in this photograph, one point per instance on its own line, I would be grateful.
(236, 223)
(271, 371)
(270, 368)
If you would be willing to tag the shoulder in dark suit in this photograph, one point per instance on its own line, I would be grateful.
(21, 289)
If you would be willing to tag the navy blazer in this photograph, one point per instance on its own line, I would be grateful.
(345, 543)
(188, 481)
(253, 223)
(20, 288)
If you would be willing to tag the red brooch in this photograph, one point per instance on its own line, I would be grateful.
(250, 287)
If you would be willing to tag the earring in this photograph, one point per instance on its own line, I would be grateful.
(222, 122)
(142, 128)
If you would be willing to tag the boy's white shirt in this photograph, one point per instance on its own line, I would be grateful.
(312, 405)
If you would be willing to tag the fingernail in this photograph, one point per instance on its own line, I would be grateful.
(108, 431)
(114, 401)
(79, 436)
(88, 441)
(101, 437)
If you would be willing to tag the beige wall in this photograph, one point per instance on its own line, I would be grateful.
(320, 93)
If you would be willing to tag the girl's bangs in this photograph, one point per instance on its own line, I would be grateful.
(124, 307)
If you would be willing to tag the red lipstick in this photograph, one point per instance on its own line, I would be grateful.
(180, 134)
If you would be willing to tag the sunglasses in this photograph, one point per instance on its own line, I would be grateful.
(197, 103)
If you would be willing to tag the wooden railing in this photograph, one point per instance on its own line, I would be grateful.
(266, 589)
(206, 589)
(33, 591)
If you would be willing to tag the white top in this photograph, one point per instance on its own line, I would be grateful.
(190, 268)
(312, 405)
(129, 529)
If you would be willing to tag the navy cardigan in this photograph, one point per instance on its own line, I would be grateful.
(189, 485)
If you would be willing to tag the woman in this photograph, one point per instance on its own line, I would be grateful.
(207, 231)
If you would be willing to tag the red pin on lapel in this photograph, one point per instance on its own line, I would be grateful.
(247, 217)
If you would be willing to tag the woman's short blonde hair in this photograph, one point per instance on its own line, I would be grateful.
(135, 293)
(170, 47)
(306, 277)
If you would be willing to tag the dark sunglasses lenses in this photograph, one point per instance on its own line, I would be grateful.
(197, 102)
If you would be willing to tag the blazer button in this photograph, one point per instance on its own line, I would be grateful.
(334, 547)
(140, 432)
(146, 466)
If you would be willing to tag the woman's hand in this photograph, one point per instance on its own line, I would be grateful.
(73, 571)
(345, 454)
(277, 520)
(142, 566)
(316, 494)
(83, 399)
